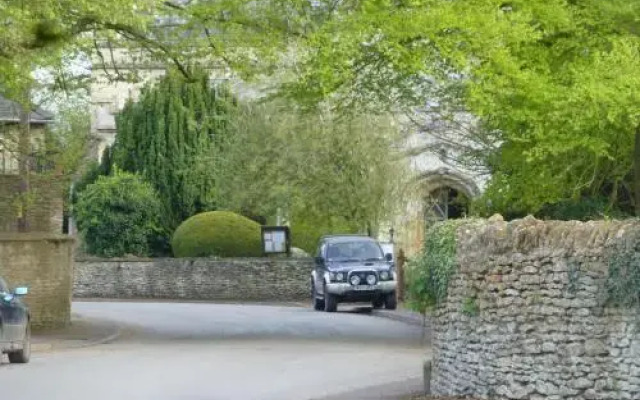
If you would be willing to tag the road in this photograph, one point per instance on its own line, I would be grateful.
(198, 351)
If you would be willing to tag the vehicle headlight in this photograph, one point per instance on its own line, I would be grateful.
(384, 275)
(339, 276)
(355, 280)
(371, 279)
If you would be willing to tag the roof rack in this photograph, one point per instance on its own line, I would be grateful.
(362, 235)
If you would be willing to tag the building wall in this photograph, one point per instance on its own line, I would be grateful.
(45, 213)
(194, 279)
(43, 263)
(9, 134)
(527, 316)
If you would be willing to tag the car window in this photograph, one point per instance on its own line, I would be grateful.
(356, 250)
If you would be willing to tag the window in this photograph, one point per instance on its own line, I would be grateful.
(355, 250)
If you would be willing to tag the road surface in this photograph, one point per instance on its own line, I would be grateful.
(198, 351)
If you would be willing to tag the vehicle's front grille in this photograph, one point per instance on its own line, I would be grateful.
(362, 274)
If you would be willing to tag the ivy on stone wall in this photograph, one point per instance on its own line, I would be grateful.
(623, 283)
(427, 276)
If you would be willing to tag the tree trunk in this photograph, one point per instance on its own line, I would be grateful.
(24, 145)
(636, 172)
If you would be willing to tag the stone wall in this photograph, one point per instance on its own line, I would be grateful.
(46, 211)
(528, 315)
(195, 279)
(43, 263)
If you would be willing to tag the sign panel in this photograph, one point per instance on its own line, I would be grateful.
(275, 239)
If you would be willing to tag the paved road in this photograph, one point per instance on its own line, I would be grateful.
(223, 351)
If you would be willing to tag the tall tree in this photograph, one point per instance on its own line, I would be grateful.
(555, 82)
(321, 171)
(170, 136)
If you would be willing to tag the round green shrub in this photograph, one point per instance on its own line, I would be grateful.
(117, 215)
(217, 233)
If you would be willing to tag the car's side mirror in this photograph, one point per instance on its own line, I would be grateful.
(319, 260)
(388, 257)
(21, 291)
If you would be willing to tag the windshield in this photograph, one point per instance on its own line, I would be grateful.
(357, 250)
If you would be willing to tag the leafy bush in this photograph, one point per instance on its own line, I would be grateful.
(118, 215)
(427, 276)
(584, 209)
(92, 172)
(217, 233)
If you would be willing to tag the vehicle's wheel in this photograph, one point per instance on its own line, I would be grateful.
(378, 302)
(22, 356)
(390, 301)
(318, 304)
(330, 302)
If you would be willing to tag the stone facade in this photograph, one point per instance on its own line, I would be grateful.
(194, 279)
(527, 315)
(43, 263)
(45, 213)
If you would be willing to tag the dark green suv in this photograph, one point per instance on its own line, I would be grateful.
(352, 269)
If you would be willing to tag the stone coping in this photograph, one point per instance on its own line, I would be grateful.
(35, 236)
(213, 259)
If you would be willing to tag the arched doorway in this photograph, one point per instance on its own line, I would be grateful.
(447, 195)
(445, 203)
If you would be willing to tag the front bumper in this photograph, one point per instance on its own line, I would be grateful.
(343, 288)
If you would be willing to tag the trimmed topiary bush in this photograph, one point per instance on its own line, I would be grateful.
(217, 233)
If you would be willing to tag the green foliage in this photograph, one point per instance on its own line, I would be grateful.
(554, 83)
(427, 275)
(581, 210)
(92, 171)
(306, 232)
(117, 215)
(323, 172)
(469, 307)
(623, 283)
(219, 234)
(172, 137)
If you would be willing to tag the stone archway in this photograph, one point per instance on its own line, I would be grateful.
(434, 196)
(447, 195)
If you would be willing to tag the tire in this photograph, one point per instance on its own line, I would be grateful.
(330, 302)
(378, 302)
(318, 304)
(22, 356)
(390, 301)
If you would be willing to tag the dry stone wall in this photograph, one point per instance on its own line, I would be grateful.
(251, 279)
(43, 263)
(528, 315)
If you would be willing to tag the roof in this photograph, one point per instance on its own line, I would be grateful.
(10, 112)
(345, 237)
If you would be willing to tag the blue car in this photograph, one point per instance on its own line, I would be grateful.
(352, 269)
(15, 328)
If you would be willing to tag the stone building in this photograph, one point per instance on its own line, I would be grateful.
(45, 213)
(9, 129)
